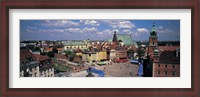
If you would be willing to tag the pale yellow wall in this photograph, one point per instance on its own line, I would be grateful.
(75, 47)
(101, 55)
(79, 54)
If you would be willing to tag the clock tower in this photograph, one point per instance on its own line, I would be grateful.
(153, 40)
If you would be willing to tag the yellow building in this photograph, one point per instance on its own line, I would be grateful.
(94, 56)
(74, 45)
(102, 55)
(89, 56)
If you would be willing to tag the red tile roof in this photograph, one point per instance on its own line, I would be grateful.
(169, 57)
(41, 57)
(60, 56)
(171, 48)
(25, 54)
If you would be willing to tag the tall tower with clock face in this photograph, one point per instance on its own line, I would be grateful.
(153, 40)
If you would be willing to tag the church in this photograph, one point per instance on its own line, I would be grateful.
(120, 45)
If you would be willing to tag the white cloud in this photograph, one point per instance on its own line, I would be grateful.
(126, 24)
(142, 30)
(164, 31)
(107, 31)
(87, 29)
(77, 30)
(43, 30)
(127, 31)
(120, 24)
(90, 22)
(60, 23)
(161, 29)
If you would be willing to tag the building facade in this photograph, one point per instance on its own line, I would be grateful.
(74, 45)
(167, 64)
(34, 65)
(29, 66)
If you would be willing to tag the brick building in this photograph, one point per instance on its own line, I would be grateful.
(166, 64)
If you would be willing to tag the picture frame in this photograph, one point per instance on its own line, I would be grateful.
(103, 4)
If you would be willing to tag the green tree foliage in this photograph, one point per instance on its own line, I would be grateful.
(55, 50)
(70, 54)
(50, 54)
(61, 68)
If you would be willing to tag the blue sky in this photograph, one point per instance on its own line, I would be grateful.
(97, 29)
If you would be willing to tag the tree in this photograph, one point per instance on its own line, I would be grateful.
(50, 54)
(43, 53)
(140, 52)
(70, 55)
(55, 50)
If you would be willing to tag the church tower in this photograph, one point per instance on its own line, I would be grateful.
(114, 41)
(153, 40)
(114, 37)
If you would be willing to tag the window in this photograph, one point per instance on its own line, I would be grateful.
(165, 72)
(173, 66)
(173, 73)
(166, 66)
(158, 72)
(158, 65)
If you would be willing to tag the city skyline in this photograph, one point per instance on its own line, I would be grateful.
(97, 29)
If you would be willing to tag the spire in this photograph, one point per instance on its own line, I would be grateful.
(153, 31)
(115, 37)
(153, 28)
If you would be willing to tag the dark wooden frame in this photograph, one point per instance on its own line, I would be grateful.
(99, 4)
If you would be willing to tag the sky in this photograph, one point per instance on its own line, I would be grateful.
(99, 29)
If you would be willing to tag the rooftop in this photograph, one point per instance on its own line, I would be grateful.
(126, 39)
(26, 54)
(41, 57)
(169, 57)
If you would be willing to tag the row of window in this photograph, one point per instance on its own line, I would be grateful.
(75, 47)
(173, 66)
(173, 73)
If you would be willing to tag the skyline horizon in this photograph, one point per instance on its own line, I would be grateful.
(167, 30)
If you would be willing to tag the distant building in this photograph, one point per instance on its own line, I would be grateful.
(119, 46)
(126, 40)
(121, 54)
(73, 45)
(94, 56)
